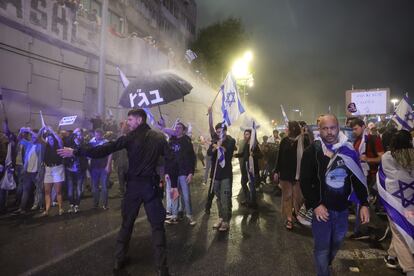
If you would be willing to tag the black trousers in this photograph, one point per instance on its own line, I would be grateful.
(145, 192)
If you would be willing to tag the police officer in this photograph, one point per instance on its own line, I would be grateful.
(144, 147)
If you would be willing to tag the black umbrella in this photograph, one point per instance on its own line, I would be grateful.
(154, 90)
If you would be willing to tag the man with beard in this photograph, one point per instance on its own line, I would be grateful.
(330, 170)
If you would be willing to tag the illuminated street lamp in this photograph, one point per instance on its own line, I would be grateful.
(298, 111)
(394, 102)
(241, 71)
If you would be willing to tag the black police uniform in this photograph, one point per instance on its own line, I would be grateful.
(144, 147)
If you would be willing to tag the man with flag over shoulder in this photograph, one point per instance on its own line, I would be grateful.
(221, 151)
(331, 174)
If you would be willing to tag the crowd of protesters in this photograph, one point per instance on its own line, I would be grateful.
(314, 170)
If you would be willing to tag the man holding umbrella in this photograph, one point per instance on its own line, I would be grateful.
(144, 147)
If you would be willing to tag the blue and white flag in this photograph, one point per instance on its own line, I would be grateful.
(231, 105)
(221, 158)
(396, 191)
(190, 56)
(125, 83)
(347, 153)
(175, 123)
(285, 117)
(404, 115)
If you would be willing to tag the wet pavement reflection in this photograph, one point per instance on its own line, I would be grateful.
(257, 243)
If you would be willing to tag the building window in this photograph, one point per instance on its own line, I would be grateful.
(116, 22)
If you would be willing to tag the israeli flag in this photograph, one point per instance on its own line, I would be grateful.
(190, 56)
(396, 191)
(125, 83)
(221, 158)
(346, 152)
(404, 115)
(285, 117)
(231, 105)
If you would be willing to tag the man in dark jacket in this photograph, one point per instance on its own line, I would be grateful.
(222, 174)
(179, 169)
(249, 191)
(330, 170)
(144, 147)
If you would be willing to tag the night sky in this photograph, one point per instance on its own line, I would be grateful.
(309, 52)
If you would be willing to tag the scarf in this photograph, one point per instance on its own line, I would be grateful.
(346, 151)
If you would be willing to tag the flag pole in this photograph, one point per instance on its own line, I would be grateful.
(214, 176)
(159, 110)
(214, 100)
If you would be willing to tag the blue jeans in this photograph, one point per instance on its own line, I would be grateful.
(328, 237)
(29, 182)
(74, 181)
(185, 196)
(99, 177)
(223, 192)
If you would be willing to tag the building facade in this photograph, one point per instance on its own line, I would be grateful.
(49, 53)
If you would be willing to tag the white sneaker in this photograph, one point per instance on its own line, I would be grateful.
(192, 222)
(34, 207)
(71, 210)
(218, 223)
(76, 209)
(172, 221)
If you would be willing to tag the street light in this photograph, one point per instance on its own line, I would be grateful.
(298, 111)
(240, 68)
(394, 102)
(248, 56)
(241, 71)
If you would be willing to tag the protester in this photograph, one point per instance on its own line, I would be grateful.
(100, 169)
(370, 151)
(32, 168)
(199, 151)
(221, 152)
(205, 144)
(330, 170)
(54, 170)
(288, 171)
(214, 134)
(274, 147)
(76, 172)
(179, 169)
(397, 170)
(264, 161)
(97, 122)
(8, 177)
(248, 178)
(3, 154)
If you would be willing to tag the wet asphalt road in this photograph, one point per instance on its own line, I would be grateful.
(257, 243)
